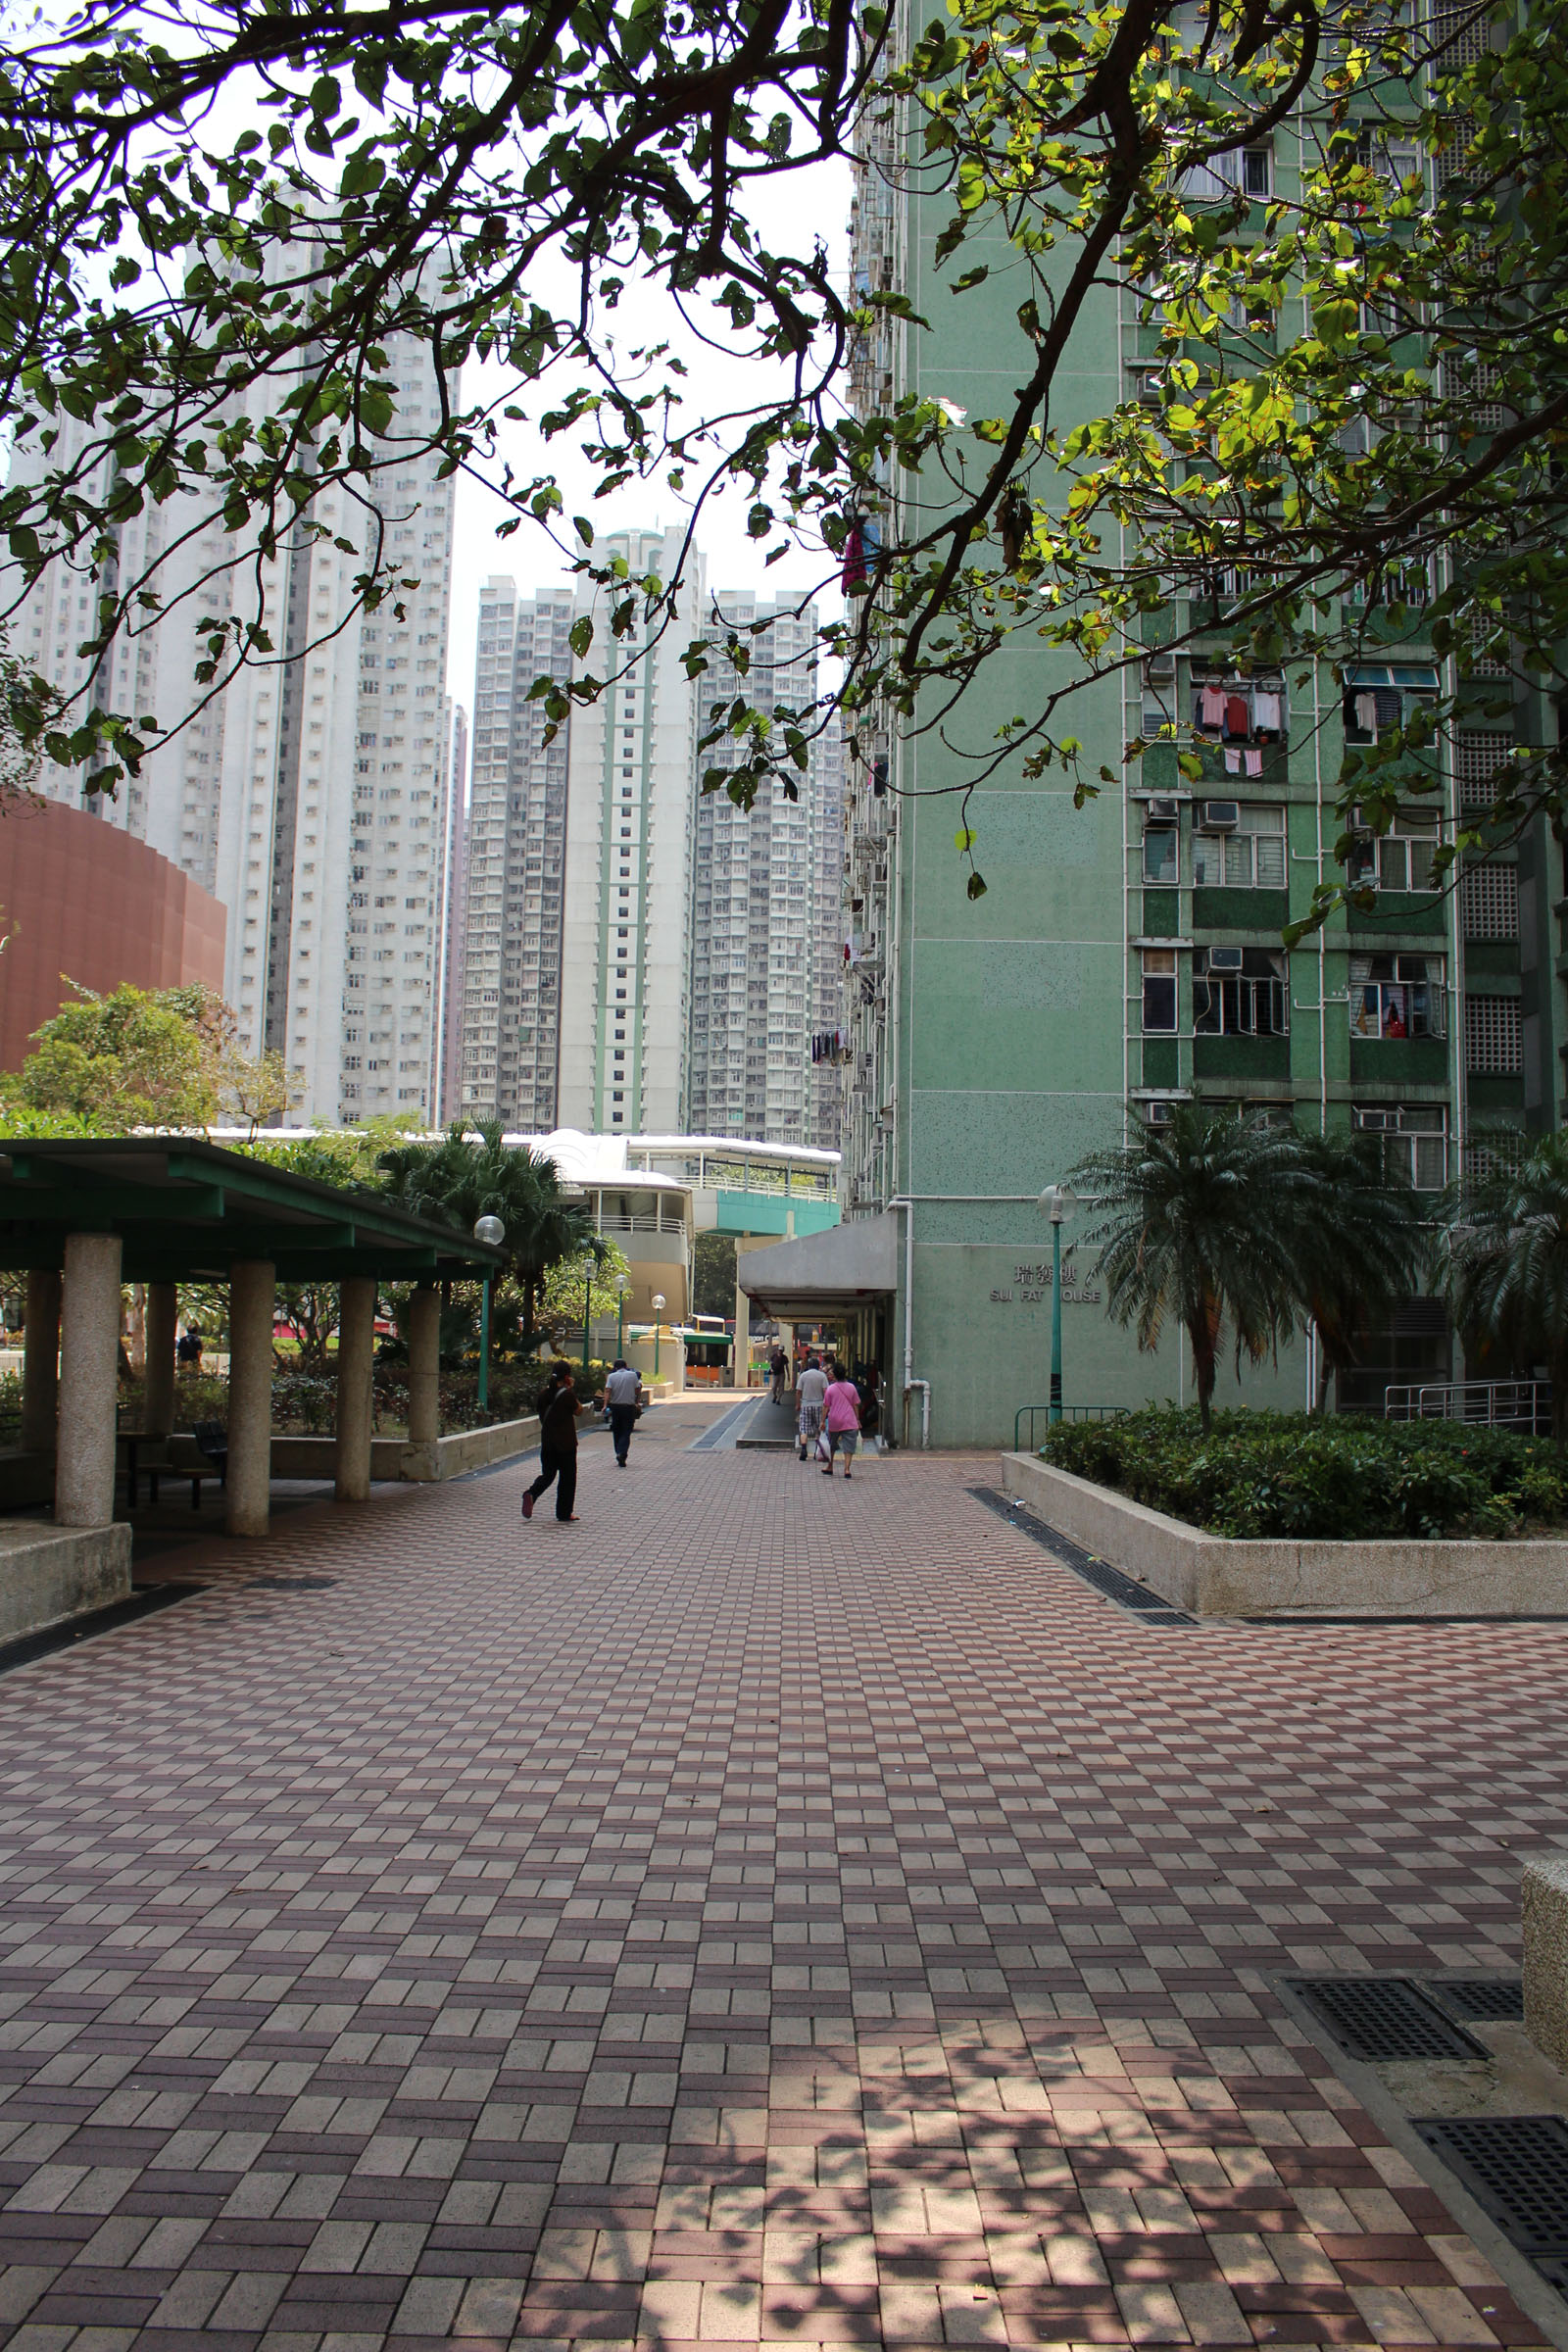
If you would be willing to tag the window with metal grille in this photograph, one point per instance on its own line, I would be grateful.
(1415, 1140)
(1490, 898)
(1239, 992)
(1477, 757)
(1491, 1036)
(1397, 996)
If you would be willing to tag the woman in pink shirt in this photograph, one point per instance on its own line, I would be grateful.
(842, 1412)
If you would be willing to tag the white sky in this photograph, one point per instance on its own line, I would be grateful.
(792, 212)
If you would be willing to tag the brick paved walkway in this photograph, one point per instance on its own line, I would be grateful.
(766, 1912)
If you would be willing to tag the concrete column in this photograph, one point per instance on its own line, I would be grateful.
(89, 1365)
(743, 1316)
(251, 1302)
(424, 1367)
(41, 1360)
(356, 1346)
(161, 1314)
(1546, 1938)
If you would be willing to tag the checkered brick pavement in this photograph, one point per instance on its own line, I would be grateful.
(766, 1912)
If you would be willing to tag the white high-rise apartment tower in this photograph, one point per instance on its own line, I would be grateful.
(828, 882)
(516, 856)
(625, 960)
(306, 796)
(756, 891)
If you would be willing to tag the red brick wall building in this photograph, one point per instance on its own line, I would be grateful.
(82, 900)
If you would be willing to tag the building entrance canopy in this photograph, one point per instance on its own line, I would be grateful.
(189, 1211)
(825, 1275)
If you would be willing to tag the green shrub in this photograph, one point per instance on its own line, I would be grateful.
(1285, 1474)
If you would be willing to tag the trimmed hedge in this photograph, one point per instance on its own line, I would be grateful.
(1285, 1474)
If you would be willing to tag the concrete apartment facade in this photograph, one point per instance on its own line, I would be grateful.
(630, 839)
(305, 796)
(514, 887)
(1130, 953)
(824, 1073)
(450, 933)
(757, 879)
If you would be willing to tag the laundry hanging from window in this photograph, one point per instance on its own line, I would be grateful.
(1237, 709)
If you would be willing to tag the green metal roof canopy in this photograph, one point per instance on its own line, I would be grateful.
(187, 1211)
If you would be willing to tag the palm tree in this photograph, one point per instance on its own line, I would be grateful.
(1507, 1271)
(477, 1173)
(1365, 1244)
(1201, 1222)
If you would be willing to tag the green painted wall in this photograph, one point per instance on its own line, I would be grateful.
(1015, 1020)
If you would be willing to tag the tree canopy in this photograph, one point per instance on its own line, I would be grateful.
(147, 1058)
(217, 217)
(476, 1173)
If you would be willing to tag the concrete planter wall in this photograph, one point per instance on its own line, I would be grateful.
(390, 1458)
(48, 1574)
(1219, 1576)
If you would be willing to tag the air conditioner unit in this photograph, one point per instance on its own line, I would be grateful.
(1224, 960)
(1162, 809)
(1160, 668)
(1220, 816)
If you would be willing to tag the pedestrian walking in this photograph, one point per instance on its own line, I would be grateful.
(624, 1401)
(869, 1380)
(559, 1408)
(811, 1391)
(778, 1363)
(842, 1405)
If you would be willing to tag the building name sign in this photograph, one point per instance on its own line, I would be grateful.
(1031, 1285)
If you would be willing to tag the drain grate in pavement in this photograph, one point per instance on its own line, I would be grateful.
(1376, 2018)
(291, 1584)
(1488, 1998)
(142, 1601)
(1516, 2168)
(1151, 1608)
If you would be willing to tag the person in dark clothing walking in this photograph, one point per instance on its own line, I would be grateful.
(558, 1447)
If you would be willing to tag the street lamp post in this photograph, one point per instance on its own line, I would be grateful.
(658, 1308)
(491, 1231)
(1056, 1203)
(622, 1286)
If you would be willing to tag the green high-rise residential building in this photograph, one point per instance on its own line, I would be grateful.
(1129, 953)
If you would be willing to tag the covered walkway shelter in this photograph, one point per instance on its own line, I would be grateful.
(846, 1276)
(82, 1218)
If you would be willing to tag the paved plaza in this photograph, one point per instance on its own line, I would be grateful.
(766, 1912)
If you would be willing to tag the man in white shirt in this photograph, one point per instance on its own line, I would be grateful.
(811, 1390)
(622, 1394)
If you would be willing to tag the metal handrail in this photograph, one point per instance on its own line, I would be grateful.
(1069, 1412)
(1479, 1404)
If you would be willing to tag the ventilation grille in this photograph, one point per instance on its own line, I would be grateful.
(1496, 1998)
(1493, 1037)
(1489, 896)
(1516, 2168)
(1478, 754)
(1378, 2017)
